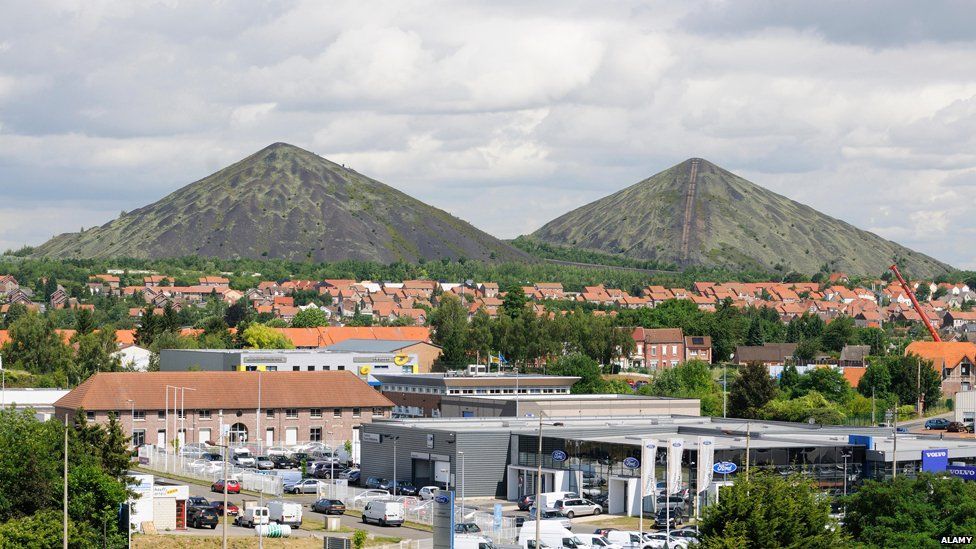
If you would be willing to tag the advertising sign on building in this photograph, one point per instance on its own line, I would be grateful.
(935, 460)
(444, 520)
(966, 472)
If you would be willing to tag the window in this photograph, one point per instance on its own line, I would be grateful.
(310, 368)
(181, 414)
(341, 368)
(965, 368)
(355, 412)
(139, 415)
(316, 413)
(203, 414)
(315, 434)
(161, 414)
(337, 412)
(377, 411)
(296, 368)
(653, 351)
(90, 416)
(674, 349)
(291, 413)
(270, 413)
(138, 437)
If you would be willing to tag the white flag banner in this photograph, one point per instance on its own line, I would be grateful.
(706, 459)
(676, 446)
(648, 457)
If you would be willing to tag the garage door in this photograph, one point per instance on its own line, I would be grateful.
(291, 436)
(203, 435)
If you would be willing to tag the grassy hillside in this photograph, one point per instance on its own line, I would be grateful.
(726, 222)
(285, 202)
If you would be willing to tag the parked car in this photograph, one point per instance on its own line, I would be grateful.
(329, 507)
(202, 517)
(374, 482)
(526, 502)
(285, 512)
(351, 475)
(549, 514)
(197, 501)
(278, 451)
(428, 492)
(939, 423)
(597, 541)
(662, 518)
(299, 457)
(264, 463)
(282, 461)
(403, 487)
(233, 486)
(212, 457)
(577, 507)
(660, 540)
(325, 470)
(218, 506)
(689, 534)
(675, 503)
(367, 495)
(385, 513)
(467, 528)
(956, 427)
(307, 486)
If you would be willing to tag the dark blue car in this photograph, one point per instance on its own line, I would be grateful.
(939, 423)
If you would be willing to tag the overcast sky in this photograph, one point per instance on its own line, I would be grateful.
(503, 114)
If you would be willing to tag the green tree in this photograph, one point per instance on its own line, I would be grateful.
(310, 318)
(14, 312)
(514, 303)
(259, 336)
(84, 321)
(837, 334)
(578, 364)
(770, 511)
(807, 349)
(789, 380)
(691, 379)
(875, 337)
(94, 354)
(922, 292)
(811, 405)
(750, 391)
(755, 336)
(479, 340)
(450, 322)
(150, 326)
(829, 382)
(35, 346)
(910, 511)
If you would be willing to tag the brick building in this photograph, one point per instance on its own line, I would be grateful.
(658, 348)
(293, 407)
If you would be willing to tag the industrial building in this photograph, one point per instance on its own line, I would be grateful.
(363, 364)
(532, 405)
(498, 457)
(427, 353)
(41, 401)
(420, 395)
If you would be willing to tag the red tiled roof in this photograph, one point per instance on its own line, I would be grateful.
(224, 390)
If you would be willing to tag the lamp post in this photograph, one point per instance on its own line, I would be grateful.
(394, 438)
(460, 453)
(65, 511)
(182, 417)
(223, 447)
(538, 482)
(846, 455)
(3, 385)
(128, 510)
(332, 462)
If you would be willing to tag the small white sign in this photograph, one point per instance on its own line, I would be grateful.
(371, 437)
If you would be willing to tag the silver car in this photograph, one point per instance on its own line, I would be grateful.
(577, 507)
(307, 486)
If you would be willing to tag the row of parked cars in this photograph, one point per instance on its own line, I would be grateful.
(205, 514)
(943, 424)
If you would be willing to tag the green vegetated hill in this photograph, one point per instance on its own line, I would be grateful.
(288, 203)
(725, 221)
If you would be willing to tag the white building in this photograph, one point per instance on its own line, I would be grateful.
(134, 357)
(41, 400)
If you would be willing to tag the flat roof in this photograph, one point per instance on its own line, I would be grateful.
(500, 380)
(566, 398)
(729, 433)
(372, 345)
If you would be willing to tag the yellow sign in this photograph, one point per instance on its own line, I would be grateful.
(401, 360)
(364, 370)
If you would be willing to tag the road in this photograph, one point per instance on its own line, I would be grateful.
(307, 515)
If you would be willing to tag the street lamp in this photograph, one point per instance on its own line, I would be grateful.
(128, 511)
(846, 454)
(461, 454)
(224, 480)
(538, 481)
(394, 438)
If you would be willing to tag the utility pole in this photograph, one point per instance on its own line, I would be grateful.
(65, 480)
(462, 484)
(257, 428)
(894, 443)
(748, 439)
(538, 484)
(918, 386)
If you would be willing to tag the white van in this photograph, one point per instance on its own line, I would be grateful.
(242, 458)
(551, 534)
(285, 512)
(472, 542)
(383, 512)
(626, 539)
(252, 516)
(549, 499)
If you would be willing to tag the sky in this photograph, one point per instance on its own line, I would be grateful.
(506, 114)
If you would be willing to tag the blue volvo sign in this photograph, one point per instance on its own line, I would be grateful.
(935, 460)
(724, 468)
(966, 472)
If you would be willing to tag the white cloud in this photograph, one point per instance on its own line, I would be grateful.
(504, 114)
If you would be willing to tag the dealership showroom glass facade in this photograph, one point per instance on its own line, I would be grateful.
(589, 456)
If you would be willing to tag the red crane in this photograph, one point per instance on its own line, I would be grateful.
(918, 308)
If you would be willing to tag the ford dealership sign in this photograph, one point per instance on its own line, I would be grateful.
(725, 468)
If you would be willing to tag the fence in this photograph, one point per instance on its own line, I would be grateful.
(158, 460)
(421, 511)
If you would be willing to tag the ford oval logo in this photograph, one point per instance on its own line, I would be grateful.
(631, 463)
(651, 446)
(442, 499)
(724, 467)
(558, 455)
(676, 445)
